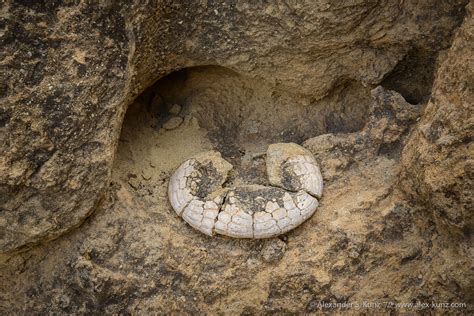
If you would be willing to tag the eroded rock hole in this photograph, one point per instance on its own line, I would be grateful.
(238, 116)
(413, 76)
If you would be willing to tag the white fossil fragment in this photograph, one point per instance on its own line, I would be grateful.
(279, 214)
(195, 187)
(196, 194)
(271, 206)
(294, 168)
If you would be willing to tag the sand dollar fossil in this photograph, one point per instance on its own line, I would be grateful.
(197, 194)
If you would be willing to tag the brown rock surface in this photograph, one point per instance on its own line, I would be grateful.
(438, 165)
(393, 225)
(69, 71)
(134, 255)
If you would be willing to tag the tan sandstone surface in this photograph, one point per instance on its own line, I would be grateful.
(380, 93)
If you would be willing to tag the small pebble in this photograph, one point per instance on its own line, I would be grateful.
(175, 109)
(134, 183)
(173, 123)
(190, 120)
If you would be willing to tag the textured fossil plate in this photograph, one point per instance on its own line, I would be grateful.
(197, 194)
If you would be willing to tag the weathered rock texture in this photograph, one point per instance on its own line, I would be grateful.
(135, 255)
(69, 70)
(64, 87)
(395, 219)
(438, 158)
(197, 193)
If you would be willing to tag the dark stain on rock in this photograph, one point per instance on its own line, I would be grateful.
(4, 118)
(207, 179)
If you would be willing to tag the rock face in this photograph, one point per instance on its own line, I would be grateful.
(396, 215)
(135, 255)
(64, 88)
(437, 160)
(70, 70)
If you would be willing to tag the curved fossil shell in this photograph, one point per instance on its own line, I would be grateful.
(255, 211)
(294, 168)
(195, 189)
(247, 211)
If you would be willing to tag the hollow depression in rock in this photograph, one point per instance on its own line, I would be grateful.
(237, 119)
(103, 103)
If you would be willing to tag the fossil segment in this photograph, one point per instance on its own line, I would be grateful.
(255, 211)
(201, 215)
(195, 189)
(294, 168)
(196, 194)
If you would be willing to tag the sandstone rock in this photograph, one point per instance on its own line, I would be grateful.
(389, 121)
(386, 132)
(64, 92)
(273, 250)
(74, 68)
(135, 256)
(437, 160)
